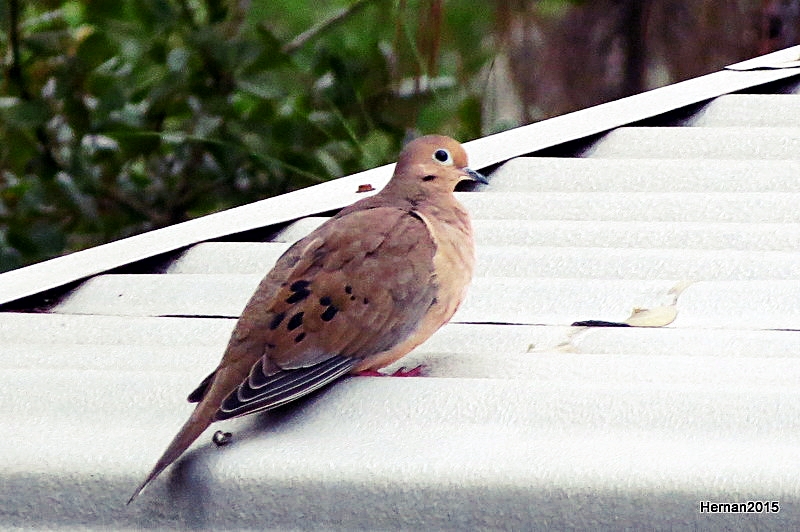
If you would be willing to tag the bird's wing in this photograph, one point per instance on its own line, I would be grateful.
(357, 287)
(261, 392)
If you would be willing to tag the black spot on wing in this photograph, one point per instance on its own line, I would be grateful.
(300, 285)
(299, 291)
(283, 387)
(297, 297)
(329, 313)
(295, 321)
(276, 321)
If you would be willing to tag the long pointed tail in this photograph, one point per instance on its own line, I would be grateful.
(191, 430)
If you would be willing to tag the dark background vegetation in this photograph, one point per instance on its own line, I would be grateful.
(118, 117)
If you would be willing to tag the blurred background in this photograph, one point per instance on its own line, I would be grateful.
(118, 117)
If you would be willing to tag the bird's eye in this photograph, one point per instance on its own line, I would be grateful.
(442, 155)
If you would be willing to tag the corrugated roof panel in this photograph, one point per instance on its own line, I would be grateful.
(496, 299)
(657, 174)
(523, 421)
(760, 143)
(743, 207)
(752, 110)
(207, 334)
(634, 234)
(541, 261)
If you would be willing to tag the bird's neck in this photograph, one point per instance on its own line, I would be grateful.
(447, 212)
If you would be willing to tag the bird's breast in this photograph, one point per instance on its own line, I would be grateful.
(454, 259)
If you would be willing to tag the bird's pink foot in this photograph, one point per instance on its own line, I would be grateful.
(418, 371)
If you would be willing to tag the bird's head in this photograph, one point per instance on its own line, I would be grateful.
(430, 165)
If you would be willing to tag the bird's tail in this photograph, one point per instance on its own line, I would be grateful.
(191, 430)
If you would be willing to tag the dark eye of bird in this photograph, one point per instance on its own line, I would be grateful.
(429, 178)
(441, 155)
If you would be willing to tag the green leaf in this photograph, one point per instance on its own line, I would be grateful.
(133, 143)
(73, 12)
(26, 114)
(95, 49)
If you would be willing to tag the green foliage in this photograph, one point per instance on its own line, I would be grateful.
(120, 117)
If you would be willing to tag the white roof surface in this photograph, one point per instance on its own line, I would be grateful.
(524, 421)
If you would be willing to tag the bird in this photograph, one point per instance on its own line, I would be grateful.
(358, 293)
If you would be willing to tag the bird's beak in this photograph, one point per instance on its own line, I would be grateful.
(475, 176)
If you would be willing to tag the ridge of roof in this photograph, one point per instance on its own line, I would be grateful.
(338, 193)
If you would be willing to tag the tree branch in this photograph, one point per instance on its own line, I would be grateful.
(15, 70)
(314, 31)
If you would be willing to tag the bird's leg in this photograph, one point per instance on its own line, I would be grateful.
(418, 371)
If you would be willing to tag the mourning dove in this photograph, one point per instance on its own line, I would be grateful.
(358, 293)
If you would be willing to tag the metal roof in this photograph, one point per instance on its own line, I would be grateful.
(682, 220)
